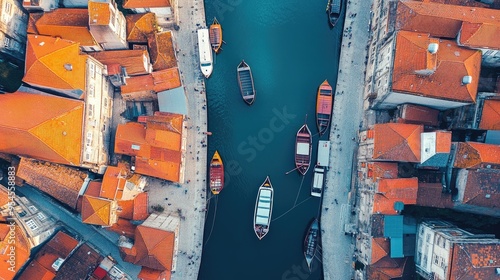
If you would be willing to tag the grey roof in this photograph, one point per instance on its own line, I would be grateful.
(173, 101)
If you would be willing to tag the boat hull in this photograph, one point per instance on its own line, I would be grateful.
(216, 36)
(334, 9)
(324, 104)
(311, 241)
(263, 209)
(205, 52)
(303, 149)
(216, 174)
(245, 82)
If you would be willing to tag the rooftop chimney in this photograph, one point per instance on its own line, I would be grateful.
(466, 80)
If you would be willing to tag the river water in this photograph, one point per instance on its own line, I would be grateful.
(291, 50)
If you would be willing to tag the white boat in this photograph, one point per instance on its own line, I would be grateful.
(323, 153)
(205, 50)
(263, 209)
(318, 181)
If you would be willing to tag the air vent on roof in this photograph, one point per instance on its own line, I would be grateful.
(41, 43)
(487, 195)
(57, 264)
(433, 48)
(466, 80)
(497, 270)
(68, 66)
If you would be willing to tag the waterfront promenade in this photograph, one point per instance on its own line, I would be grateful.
(338, 249)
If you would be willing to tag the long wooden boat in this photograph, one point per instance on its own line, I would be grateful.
(216, 174)
(311, 241)
(324, 102)
(205, 52)
(334, 9)
(263, 209)
(216, 35)
(245, 81)
(303, 149)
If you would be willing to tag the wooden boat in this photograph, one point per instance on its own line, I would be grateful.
(263, 209)
(216, 35)
(303, 149)
(245, 81)
(333, 9)
(324, 102)
(311, 241)
(216, 174)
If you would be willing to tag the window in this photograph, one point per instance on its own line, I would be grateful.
(428, 237)
(8, 8)
(436, 259)
(92, 69)
(31, 224)
(32, 208)
(6, 42)
(91, 90)
(41, 216)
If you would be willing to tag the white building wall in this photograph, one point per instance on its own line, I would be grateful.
(424, 248)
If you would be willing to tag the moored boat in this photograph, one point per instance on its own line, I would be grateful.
(245, 82)
(324, 102)
(311, 241)
(216, 35)
(303, 149)
(263, 209)
(205, 52)
(318, 181)
(333, 9)
(216, 174)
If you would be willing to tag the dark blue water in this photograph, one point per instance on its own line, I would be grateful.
(291, 50)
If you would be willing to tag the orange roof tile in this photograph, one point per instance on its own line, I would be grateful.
(155, 82)
(155, 248)
(32, 19)
(490, 118)
(61, 182)
(480, 35)
(96, 211)
(443, 141)
(397, 142)
(161, 50)
(93, 189)
(160, 169)
(68, 24)
(470, 3)
(140, 26)
(415, 114)
(22, 251)
(440, 20)
(99, 13)
(432, 195)
(133, 4)
(48, 60)
(475, 155)
(136, 62)
(444, 76)
(113, 182)
(37, 271)
(4, 195)
(130, 134)
(80, 264)
(123, 227)
(482, 188)
(44, 127)
(135, 209)
(474, 261)
(153, 274)
(383, 170)
(380, 248)
(390, 191)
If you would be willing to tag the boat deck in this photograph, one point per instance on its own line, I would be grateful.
(246, 83)
(215, 36)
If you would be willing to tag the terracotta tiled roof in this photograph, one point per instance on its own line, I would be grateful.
(389, 273)
(432, 195)
(136, 62)
(418, 72)
(22, 251)
(377, 225)
(133, 4)
(475, 155)
(390, 191)
(99, 13)
(157, 149)
(440, 20)
(93, 189)
(44, 127)
(154, 82)
(153, 274)
(32, 19)
(490, 118)
(59, 181)
(480, 35)
(96, 211)
(397, 142)
(80, 264)
(482, 188)
(4, 195)
(155, 248)
(123, 227)
(161, 50)
(416, 114)
(443, 141)
(135, 209)
(380, 248)
(470, 3)
(113, 182)
(55, 63)
(382, 170)
(475, 261)
(140, 26)
(68, 24)
(37, 271)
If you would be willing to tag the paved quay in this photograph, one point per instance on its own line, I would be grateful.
(338, 196)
